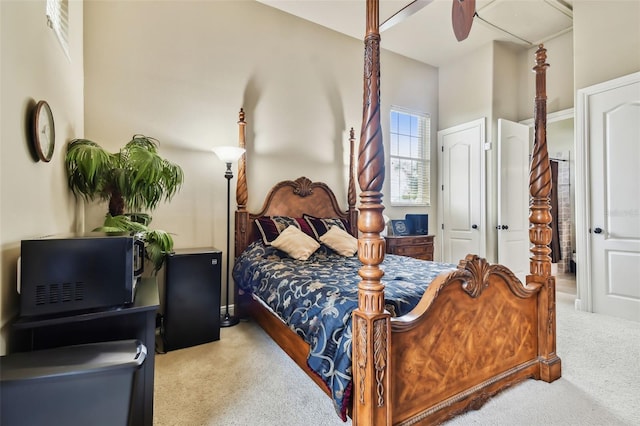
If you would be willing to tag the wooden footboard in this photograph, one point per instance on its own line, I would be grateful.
(473, 334)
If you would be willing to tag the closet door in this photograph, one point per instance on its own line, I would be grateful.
(462, 178)
(608, 209)
(513, 197)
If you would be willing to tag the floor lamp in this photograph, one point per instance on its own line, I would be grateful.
(228, 154)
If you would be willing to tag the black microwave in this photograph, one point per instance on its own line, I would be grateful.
(78, 272)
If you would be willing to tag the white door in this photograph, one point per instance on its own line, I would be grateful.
(610, 135)
(513, 197)
(462, 185)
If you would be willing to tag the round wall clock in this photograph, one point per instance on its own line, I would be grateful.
(43, 131)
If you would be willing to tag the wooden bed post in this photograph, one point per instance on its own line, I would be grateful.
(371, 324)
(351, 190)
(540, 231)
(242, 193)
(242, 215)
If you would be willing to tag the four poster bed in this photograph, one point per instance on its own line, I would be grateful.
(408, 355)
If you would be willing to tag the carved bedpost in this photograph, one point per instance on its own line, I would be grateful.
(242, 215)
(371, 324)
(540, 231)
(540, 177)
(351, 194)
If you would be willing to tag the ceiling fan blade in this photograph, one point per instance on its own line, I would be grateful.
(462, 13)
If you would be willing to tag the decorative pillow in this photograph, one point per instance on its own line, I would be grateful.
(320, 226)
(271, 226)
(295, 243)
(340, 241)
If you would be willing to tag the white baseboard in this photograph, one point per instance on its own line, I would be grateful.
(232, 310)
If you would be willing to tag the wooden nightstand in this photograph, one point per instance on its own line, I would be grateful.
(418, 246)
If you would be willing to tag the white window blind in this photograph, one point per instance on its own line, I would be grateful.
(409, 156)
(58, 21)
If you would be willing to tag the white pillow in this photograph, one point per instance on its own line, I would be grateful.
(295, 243)
(340, 241)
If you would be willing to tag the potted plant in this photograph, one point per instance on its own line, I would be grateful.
(133, 180)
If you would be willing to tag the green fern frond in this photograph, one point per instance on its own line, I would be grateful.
(136, 178)
(158, 244)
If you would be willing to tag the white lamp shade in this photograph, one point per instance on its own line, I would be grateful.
(228, 154)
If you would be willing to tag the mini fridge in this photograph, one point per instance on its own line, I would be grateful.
(190, 308)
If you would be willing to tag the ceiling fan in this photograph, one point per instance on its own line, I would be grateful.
(462, 13)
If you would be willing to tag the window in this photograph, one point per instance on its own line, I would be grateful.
(58, 21)
(410, 158)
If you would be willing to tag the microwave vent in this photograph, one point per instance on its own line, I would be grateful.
(59, 293)
(66, 292)
(41, 295)
(79, 293)
(54, 293)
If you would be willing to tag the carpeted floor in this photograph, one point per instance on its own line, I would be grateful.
(245, 379)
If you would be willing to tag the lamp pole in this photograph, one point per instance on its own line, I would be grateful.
(228, 154)
(228, 320)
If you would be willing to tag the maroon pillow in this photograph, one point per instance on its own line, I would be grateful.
(270, 227)
(320, 226)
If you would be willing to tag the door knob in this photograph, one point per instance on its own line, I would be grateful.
(598, 230)
(505, 226)
(474, 226)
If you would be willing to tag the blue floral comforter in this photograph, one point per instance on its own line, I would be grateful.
(315, 299)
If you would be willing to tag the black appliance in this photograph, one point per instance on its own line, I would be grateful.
(191, 303)
(85, 384)
(78, 272)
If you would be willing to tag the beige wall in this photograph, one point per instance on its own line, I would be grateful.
(180, 71)
(560, 91)
(606, 40)
(465, 88)
(604, 44)
(34, 196)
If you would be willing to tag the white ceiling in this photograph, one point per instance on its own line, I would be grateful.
(426, 34)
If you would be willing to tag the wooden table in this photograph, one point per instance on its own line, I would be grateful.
(418, 246)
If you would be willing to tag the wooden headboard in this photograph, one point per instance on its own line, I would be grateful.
(291, 198)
